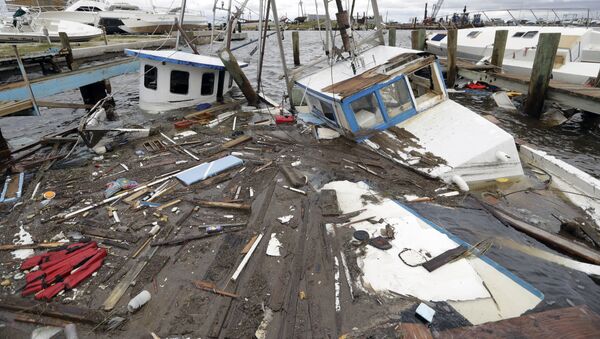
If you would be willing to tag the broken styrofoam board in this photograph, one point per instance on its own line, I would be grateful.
(517, 295)
(274, 246)
(503, 101)
(208, 169)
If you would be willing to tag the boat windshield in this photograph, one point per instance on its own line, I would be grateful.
(366, 111)
(396, 98)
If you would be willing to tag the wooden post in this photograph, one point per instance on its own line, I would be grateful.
(451, 60)
(296, 47)
(288, 82)
(26, 79)
(392, 36)
(418, 39)
(597, 81)
(4, 150)
(104, 35)
(499, 47)
(540, 74)
(66, 45)
(238, 75)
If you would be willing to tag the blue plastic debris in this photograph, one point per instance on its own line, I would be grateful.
(208, 169)
(17, 194)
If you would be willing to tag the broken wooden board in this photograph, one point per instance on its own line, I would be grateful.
(329, 203)
(444, 258)
(570, 322)
(211, 112)
(109, 234)
(548, 238)
(226, 205)
(54, 310)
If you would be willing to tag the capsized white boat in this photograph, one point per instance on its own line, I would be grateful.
(577, 60)
(119, 17)
(401, 92)
(173, 79)
(29, 28)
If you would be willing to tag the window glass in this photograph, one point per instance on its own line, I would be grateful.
(327, 110)
(396, 98)
(518, 34)
(438, 37)
(208, 84)
(150, 76)
(366, 111)
(530, 34)
(180, 82)
(473, 34)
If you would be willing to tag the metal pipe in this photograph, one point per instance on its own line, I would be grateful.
(183, 2)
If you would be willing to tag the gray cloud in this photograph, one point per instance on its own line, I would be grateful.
(400, 10)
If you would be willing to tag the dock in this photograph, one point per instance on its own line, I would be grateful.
(61, 82)
(578, 96)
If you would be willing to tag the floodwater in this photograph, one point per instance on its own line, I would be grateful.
(572, 142)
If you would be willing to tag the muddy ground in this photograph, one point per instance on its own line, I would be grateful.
(297, 288)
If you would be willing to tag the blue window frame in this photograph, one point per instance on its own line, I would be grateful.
(381, 106)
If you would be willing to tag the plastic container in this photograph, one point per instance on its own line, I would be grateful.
(138, 301)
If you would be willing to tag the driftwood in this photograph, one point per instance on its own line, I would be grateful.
(12, 247)
(228, 205)
(53, 310)
(208, 286)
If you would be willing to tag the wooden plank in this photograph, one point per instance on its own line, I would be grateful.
(58, 83)
(12, 247)
(109, 234)
(12, 107)
(54, 310)
(444, 258)
(236, 141)
(211, 112)
(413, 331)
(548, 238)
(572, 322)
(227, 205)
(53, 104)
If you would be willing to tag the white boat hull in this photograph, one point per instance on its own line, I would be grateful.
(35, 31)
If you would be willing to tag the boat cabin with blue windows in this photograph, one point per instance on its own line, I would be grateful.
(173, 79)
(394, 85)
(395, 101)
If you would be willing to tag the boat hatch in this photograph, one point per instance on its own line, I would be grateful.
(473, 34)
(438, 37)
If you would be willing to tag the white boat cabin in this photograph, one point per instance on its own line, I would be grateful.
(174, 79)
(402, 93)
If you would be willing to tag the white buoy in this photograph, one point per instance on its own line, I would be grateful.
(460, 182)
(138, 301)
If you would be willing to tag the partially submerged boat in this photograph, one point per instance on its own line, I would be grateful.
(29, 28)
(120, 17)
(577, 60)
(174, 79)
(395, 100)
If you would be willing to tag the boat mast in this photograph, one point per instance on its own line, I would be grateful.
(377, 19)
(282, 54)
(329, 41)
(180, 23)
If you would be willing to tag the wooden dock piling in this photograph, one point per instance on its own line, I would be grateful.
(451, 62)
(499, 47)
(417, 38)
(4, 150)
(540, 74)
(232, 66)
(392, 36)
(296, 47)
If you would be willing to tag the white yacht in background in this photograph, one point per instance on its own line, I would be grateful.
(122, 17)
(577, 59)
(30, 28)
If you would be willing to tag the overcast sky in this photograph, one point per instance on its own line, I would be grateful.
(401, 10)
